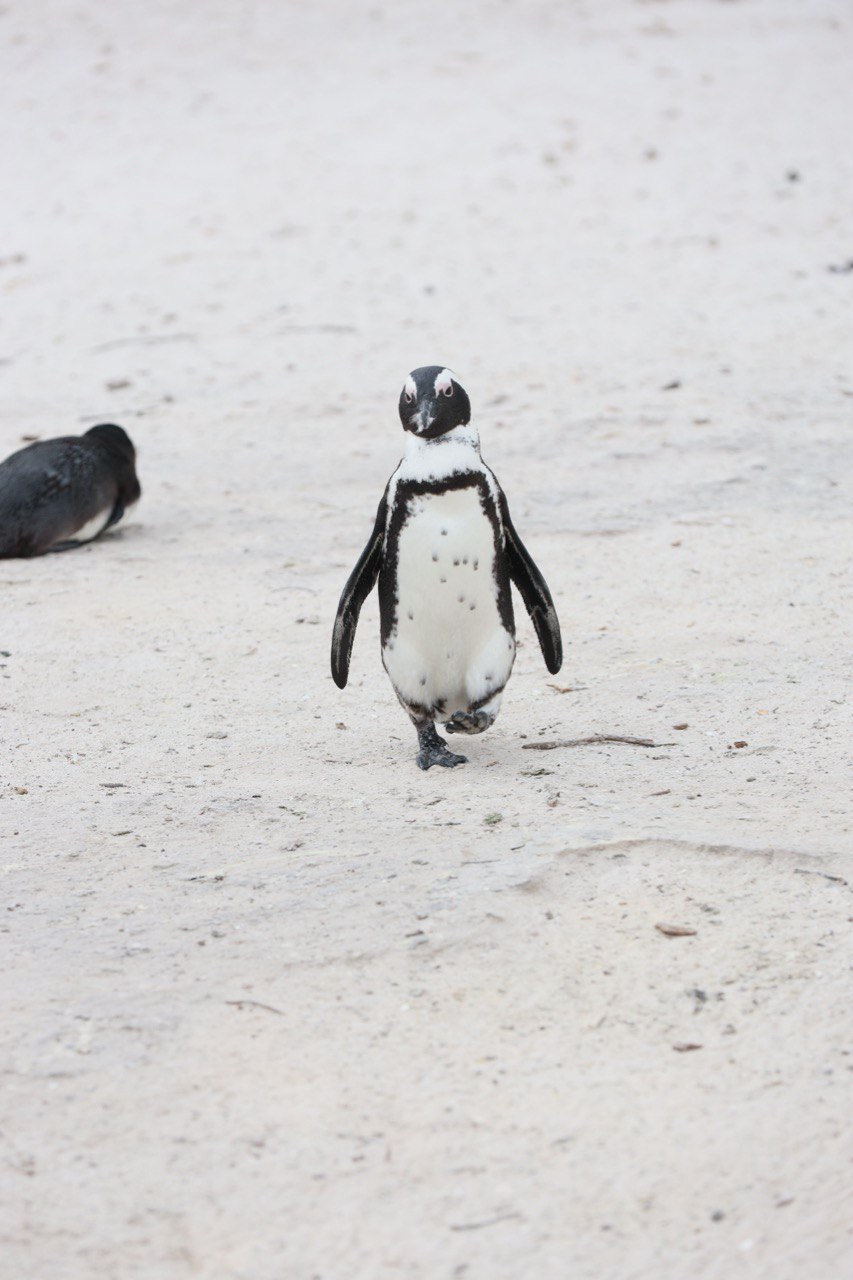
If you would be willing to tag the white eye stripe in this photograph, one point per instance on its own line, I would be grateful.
(443, 382)
(410, 390)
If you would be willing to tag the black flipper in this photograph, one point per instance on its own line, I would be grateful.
(533, 590)
(358, 587)
(117, 513)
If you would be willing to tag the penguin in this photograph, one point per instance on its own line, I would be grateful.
(444, 552)
(57, 494)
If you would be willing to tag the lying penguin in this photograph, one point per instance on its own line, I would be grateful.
(56, 494)
(444, 550)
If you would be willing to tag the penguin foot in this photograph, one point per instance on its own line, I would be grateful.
(429, 756)
(434, 749)
(469, 722)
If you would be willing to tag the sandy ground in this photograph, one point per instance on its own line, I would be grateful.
(276, 1004)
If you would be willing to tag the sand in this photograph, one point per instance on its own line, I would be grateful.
(276, 1003)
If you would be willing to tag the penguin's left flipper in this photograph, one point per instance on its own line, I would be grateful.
(533, 590)
(358, 587)
(116, 515)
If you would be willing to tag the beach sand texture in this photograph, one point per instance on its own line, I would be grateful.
(278, 1006)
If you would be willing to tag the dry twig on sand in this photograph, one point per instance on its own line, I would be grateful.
(592, 741)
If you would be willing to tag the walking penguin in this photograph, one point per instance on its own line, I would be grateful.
(444, 550)
(57, 494)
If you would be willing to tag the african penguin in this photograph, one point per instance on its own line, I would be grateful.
(57, 494)
(444, 551)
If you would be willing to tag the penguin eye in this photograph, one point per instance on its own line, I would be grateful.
(448, 390)
(409, 397)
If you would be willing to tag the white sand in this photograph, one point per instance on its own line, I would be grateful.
(277, 1005)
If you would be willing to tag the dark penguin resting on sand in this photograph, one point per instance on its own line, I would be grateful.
(444, 550)
(56, 494)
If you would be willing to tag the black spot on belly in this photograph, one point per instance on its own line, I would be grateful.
(411, 616)
(435, 555)
(456, 561)
(476, 564)
(442, 579)
(461, 599)
(423, 680)
(464, 559)
(444, 533)
(472, 605)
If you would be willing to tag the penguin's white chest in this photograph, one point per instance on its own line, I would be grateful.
(449, 646)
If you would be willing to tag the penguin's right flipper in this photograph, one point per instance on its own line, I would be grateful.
(358, 587)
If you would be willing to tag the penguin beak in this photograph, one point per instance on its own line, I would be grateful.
(423, 419)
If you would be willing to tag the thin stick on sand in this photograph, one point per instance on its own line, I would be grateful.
(594, 740)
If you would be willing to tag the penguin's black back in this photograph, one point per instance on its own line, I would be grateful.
(52, 489)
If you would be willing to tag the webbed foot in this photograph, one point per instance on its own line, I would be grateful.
(469, 721)
(433, 749)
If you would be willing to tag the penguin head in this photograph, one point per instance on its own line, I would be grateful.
(432, 403)
(114, 438)
(117, 446)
